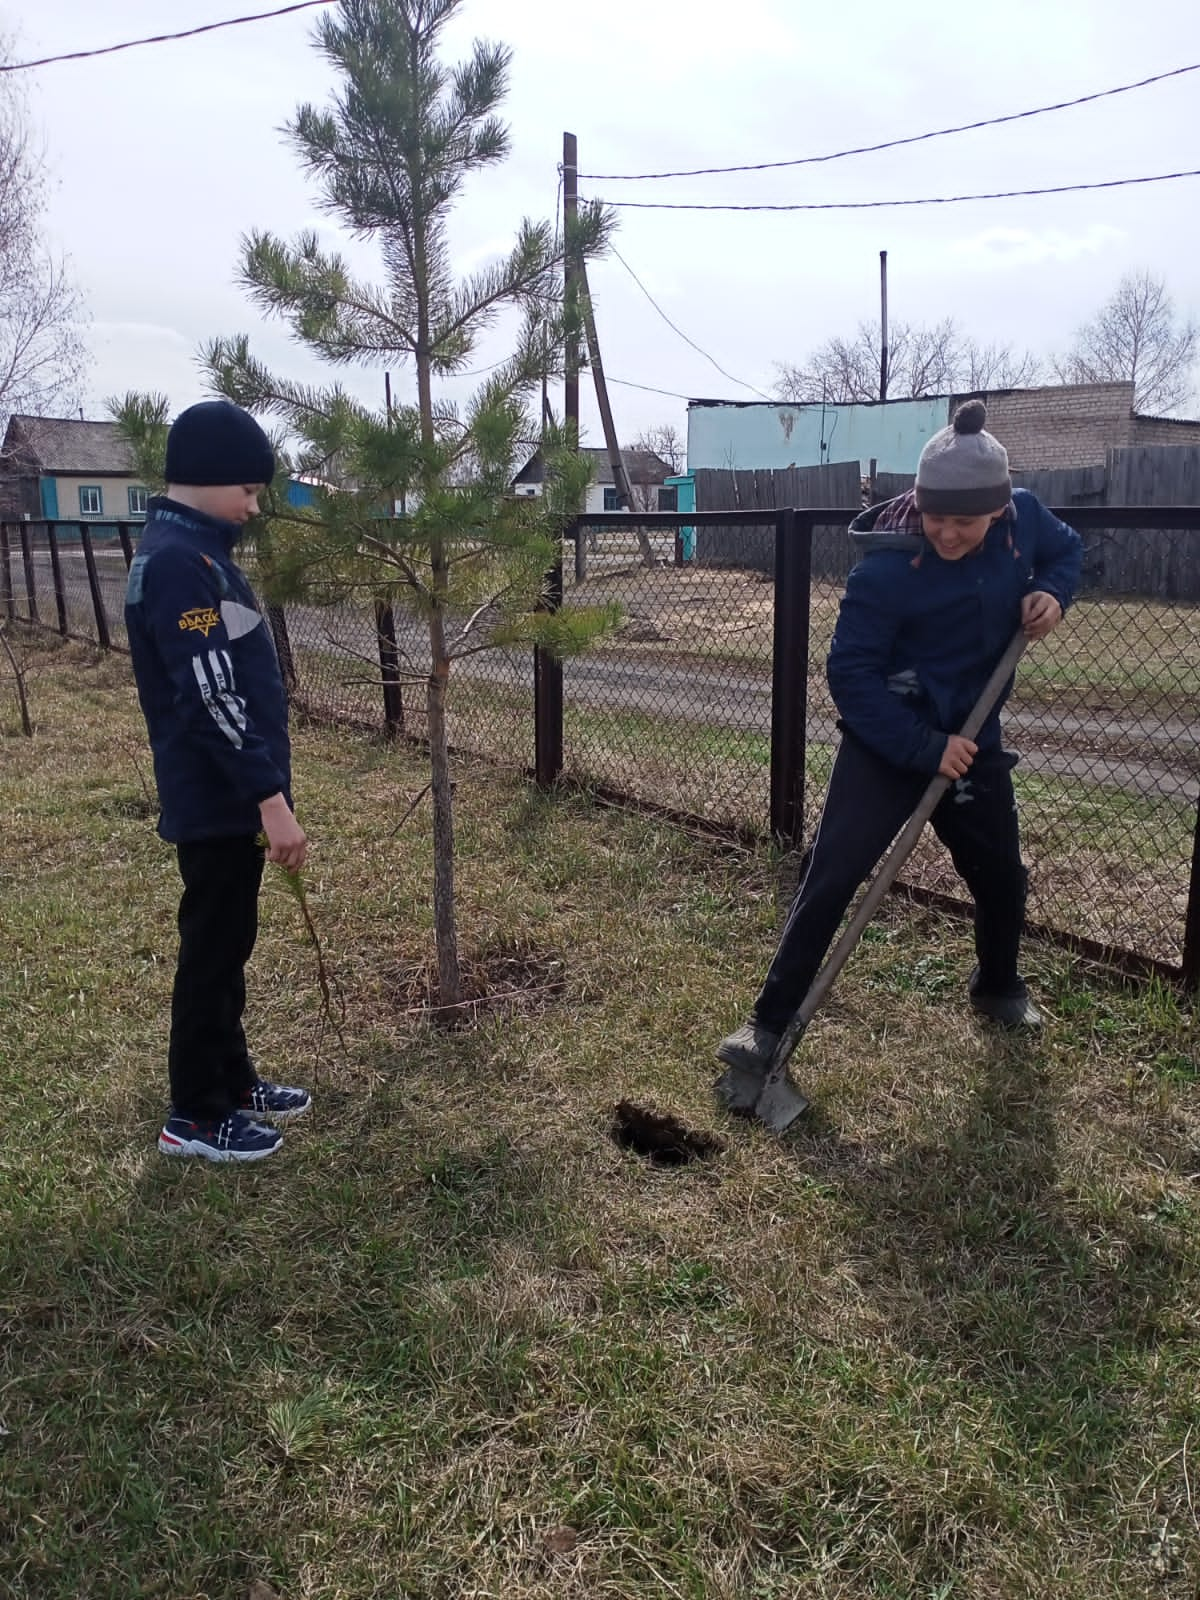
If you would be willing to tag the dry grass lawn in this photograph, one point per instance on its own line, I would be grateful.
(454, 1341)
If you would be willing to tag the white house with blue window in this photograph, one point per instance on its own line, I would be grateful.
(70, 470)
(648, 474)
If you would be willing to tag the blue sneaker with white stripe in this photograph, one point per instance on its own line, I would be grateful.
(275, 1101)
(232, 1138)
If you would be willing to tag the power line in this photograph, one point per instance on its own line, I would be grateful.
(627, 383)
(741, 382)
(163, 38)
(891, 144)
(877, 205)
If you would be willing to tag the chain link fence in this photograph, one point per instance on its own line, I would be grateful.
(674, 708)
(709, 700)
(369, 666)
(683, 709)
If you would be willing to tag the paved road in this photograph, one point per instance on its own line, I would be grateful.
(1141, 755)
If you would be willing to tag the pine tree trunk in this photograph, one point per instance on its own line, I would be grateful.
(445, 926)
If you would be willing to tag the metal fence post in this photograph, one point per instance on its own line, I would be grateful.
(1190, 965)
(60, 594)
(126, 545)
(789, 676)
(548, 691)
(389, 665)
(277, 619)
(89, 557)
(576, 532)
(6, 583)
(27, 563)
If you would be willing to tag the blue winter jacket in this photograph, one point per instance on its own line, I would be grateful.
(917, 637)
(207, 677)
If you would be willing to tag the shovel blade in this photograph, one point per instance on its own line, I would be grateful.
(780, 1103)
(738, 1090)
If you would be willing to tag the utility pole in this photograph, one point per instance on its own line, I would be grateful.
(571, 264)
(883, 326)
(620, 476)
(619, 471)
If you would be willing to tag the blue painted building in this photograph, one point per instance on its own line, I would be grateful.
(732, 435)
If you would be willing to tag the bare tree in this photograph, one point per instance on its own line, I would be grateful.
(663, 445)
(666, 442)
(839, 371)
(19, 674)
(842, 371)
(41, 351)
(929, 359)
(923, 359)
(1136, 336)
(995, 366)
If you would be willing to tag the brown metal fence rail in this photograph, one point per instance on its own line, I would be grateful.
(709, 703)
(73, 572)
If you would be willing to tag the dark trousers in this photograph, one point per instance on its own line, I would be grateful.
(867, 804)
(209, 1064)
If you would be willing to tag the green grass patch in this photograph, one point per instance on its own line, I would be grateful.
(1136, 828)
(453, 1341)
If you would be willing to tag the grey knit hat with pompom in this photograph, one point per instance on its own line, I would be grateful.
(963, 471)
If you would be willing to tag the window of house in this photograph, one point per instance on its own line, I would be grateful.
(91, 502)
(668, 497)
(137, 502)
(612, 500)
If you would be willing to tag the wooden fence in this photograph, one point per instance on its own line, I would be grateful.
(1154, 563)
(838, 484)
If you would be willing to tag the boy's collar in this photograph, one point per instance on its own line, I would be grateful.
(164, 509)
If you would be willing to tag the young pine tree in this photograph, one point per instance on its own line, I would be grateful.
(416, 507)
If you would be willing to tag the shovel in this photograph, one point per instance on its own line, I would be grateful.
(774, 1098)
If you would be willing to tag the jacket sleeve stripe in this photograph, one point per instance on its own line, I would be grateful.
(216, 704)
(222, 671)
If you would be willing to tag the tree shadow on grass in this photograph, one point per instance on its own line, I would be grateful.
(161, 1357)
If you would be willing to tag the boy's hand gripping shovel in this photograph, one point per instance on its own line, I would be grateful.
(774, 1098)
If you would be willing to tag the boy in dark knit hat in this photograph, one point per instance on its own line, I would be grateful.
(213, 698)
(946, 575)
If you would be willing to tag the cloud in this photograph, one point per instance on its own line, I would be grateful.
(151, 332)
(1002, 248)
(139, 355)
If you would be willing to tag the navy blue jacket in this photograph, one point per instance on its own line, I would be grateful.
(917, 636)
(207, 677)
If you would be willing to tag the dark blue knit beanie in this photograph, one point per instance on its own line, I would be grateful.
(217, 442)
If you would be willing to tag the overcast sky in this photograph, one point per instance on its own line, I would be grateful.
(162, 157)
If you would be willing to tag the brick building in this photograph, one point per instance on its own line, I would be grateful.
(1074, 425)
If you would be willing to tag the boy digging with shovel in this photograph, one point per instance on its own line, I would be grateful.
(947, 574)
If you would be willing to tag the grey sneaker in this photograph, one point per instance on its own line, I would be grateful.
(749, 1048)
(1011, 1010)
